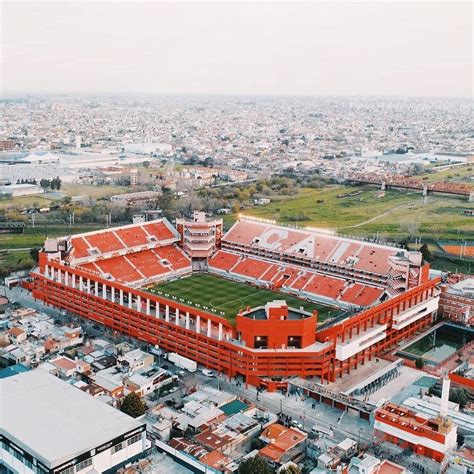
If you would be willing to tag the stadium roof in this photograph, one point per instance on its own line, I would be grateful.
(55, 421)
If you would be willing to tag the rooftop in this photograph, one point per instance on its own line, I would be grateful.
(69, 417)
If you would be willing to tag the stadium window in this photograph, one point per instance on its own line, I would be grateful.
(69, 470)
(260, 341)
(117, 447)
(134, 439)
(17, 455)
(83, 464)
(294, 341)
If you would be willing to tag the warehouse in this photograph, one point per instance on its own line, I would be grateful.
(36, 402)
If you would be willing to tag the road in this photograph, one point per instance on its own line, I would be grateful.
(306, 411)
(295, 407)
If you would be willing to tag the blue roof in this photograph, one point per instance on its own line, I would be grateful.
(13, 370)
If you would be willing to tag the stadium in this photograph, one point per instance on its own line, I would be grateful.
(262, 302)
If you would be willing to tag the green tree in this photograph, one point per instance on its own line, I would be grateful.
(34, 253)
(165, 200)
(133, 405)
(419, 363)
(45, 184)
(425, 252)
(291, 469)
(458, 396)
(404, 243)
(256, 465)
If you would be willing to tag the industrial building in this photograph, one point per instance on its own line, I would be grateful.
(35, 402)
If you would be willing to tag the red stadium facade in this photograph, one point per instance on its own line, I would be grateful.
(385, 291)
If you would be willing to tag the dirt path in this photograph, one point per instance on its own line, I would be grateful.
(372, 219)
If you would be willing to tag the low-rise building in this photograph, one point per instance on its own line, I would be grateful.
(281, 441)
(135, 360)
(83, 434)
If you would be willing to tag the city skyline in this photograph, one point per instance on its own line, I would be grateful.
(342, 49)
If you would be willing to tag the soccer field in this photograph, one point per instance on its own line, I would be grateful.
(227, 296)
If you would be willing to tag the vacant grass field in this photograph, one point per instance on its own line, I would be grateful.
(396, 215)
(458, 174)
(229, 297)
(73, 189)
(35, 236)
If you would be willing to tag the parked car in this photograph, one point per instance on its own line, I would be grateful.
(207, 372)
(297, 424)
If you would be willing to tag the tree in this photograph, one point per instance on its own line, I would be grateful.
(45, 184)
(419, 363)
(34, 253)
(56, 183)
(404, 243)
(291, 469)
(458, 396)
(425, 252)
(165, 200)
(133, 405)
(254, 465)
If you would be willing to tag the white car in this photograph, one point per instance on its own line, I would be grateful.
(207, 372)
(297, 424)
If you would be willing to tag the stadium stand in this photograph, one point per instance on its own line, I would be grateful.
(361, 295)
(223, 260)
(101, 244)
(368, 263)
(134, 254)
(251, 268)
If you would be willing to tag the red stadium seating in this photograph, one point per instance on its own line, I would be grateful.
(306, 245)
(132, 236)
(159, 229)
(286, 277)
(271, 273)
(80, 248)
(302, 280)
(147, 263)
(374, 259)
(361, 295)
(104, 241)
(120, 269)
(223, 260)
(327, 286)
(251, 268)
(176, 257)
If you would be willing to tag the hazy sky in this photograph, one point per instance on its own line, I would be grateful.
(379, 48)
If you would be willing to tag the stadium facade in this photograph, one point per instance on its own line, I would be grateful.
(384, 294)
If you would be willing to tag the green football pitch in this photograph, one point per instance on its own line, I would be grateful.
(225, 296)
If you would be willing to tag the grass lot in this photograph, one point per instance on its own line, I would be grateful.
(19, 260)
(396, 215)
(68, 189)
(38, 200)
(73, 189)
(35, 236)
(229, 296)
(458, 174)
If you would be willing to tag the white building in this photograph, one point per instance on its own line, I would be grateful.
(47, 425)
(21, 189)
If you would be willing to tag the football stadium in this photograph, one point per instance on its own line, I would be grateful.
(262, 301)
